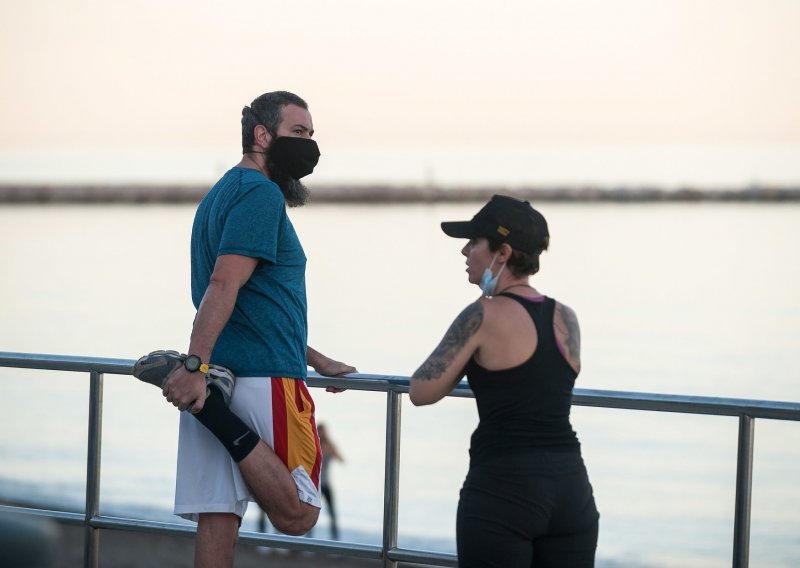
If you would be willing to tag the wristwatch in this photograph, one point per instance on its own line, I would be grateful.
(194, 363)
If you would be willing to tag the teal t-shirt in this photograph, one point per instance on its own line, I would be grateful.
(245, 214)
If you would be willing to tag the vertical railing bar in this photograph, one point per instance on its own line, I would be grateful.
(392, 476)
(744, 492)
(91, 543)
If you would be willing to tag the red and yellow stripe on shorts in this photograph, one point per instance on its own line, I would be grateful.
(294, 427)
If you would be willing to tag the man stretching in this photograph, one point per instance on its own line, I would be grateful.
(257, 441)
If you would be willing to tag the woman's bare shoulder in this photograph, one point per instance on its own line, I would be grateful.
(564, 311)
(568, 334)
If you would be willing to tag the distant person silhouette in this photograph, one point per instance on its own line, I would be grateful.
(329, 453)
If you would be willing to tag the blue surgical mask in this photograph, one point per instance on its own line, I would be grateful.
(489, 282)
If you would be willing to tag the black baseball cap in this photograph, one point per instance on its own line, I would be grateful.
(506, 219)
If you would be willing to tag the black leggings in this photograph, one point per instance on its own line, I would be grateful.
(524, 512)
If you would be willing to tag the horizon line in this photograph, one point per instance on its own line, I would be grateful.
(133, 193)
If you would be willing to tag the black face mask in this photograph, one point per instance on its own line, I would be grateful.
(296, 156)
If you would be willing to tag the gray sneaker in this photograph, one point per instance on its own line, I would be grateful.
(155, 367)
(223, 379)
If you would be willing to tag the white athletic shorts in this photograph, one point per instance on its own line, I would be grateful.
(281, 412)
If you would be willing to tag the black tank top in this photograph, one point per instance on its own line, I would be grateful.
(526, 407)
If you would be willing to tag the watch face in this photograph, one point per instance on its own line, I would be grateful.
(192, 363)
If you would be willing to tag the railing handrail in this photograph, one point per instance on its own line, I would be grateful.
(745, 409)
(630, 400)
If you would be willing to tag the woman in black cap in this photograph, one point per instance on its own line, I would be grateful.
(527, 500)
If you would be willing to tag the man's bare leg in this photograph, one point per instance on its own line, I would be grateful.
(216, 540)
(275, 491)
(265, 474)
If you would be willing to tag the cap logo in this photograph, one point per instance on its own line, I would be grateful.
(503, 231)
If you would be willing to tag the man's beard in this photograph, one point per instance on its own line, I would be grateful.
(294, 192)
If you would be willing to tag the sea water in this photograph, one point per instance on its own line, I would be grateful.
(697, 299)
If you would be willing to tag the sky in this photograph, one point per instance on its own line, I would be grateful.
(495, 90)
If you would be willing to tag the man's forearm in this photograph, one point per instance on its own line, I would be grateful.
(212, 316)
(313, 357)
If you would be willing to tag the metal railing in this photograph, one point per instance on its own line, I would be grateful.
(747, 412)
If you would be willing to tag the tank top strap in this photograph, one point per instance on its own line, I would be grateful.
(542, 313)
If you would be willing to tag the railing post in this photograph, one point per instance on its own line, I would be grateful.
(744, 493)
(91, 542)
(392, 476)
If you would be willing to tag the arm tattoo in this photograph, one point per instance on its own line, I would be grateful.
(464, 327)
(573, 335)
